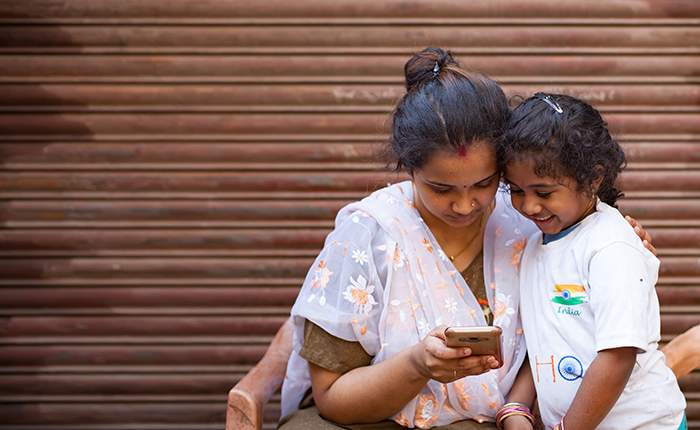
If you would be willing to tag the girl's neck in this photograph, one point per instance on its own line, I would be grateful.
(590, 210)
(548, 238)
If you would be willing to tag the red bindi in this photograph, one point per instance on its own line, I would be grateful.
(462, 151)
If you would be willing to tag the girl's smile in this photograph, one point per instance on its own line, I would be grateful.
(552, 204)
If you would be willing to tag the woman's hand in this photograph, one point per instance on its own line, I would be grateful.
(643, 234)
(434, 360)
(373, 393)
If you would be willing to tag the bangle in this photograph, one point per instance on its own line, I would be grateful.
(511, 409)
(516, 404)
(560, 425)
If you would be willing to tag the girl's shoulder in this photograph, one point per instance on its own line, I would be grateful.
(607, 223)
(606, 227)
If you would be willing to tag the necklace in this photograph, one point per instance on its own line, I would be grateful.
(478, 231)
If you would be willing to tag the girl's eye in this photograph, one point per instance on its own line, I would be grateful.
(483, 185)
(515, 191)
(544, 195)
(441, 191)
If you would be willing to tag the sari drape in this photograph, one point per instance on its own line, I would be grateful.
(382, 280)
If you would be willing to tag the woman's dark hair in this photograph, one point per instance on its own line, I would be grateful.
(445, 108)
(574, 143)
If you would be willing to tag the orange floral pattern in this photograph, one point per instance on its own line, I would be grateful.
(360, 295)
(427, 245)
(518, 247)
(321, 275)
(464, 394)
(425, 412)
(401, 420)
(503, 310)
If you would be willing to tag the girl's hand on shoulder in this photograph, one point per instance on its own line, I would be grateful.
(517, 422)
(434, 360)
(643, 234)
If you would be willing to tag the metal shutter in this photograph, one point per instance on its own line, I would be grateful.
(170, 170)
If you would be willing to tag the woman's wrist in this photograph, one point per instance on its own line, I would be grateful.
(415, 359)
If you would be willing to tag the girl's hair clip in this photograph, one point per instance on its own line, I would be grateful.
(436, 69)
(552, 103)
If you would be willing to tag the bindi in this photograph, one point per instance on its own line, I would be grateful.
(462, 151)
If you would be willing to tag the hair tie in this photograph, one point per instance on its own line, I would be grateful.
(552, 103)
(436, 69)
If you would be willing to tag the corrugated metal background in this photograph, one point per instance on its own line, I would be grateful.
(170, 169)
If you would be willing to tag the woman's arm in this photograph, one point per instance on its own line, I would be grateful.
(373, 393)
(602, 385)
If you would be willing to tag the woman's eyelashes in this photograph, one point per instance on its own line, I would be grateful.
(441, 191)
(481, 185)
(484, 184)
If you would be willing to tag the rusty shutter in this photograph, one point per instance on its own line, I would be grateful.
(170, 170)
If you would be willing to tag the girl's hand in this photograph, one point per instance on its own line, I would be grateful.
(517, 422)
(643, 234)
(434, 360)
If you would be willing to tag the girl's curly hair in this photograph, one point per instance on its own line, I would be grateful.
(574, 143)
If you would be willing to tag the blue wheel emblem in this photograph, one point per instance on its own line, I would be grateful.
(566, 294)
(570, 368)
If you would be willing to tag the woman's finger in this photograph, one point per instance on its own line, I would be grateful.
(478, 363)
(469, 366)
(643, 234)
(442, 351)
(650, 247)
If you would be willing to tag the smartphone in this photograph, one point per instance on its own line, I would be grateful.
(482, 340)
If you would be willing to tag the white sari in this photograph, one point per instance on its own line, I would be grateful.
(382, 280)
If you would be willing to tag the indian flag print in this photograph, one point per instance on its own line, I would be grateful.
(570, 295)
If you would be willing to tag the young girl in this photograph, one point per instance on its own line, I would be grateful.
(590, 313)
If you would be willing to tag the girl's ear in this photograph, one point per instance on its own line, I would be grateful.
(595, 183)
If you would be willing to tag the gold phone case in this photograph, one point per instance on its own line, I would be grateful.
(481, 340)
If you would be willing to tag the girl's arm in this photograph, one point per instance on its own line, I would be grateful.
(523, 392)
(601, 387)
(373, 393)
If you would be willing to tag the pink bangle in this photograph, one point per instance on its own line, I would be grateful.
(560, 425)
(510, 409)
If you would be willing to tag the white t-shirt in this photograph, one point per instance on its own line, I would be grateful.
(588, 291)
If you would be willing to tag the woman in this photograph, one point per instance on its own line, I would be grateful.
(409, 260)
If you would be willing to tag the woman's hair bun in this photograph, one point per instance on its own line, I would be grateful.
(426, 65)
